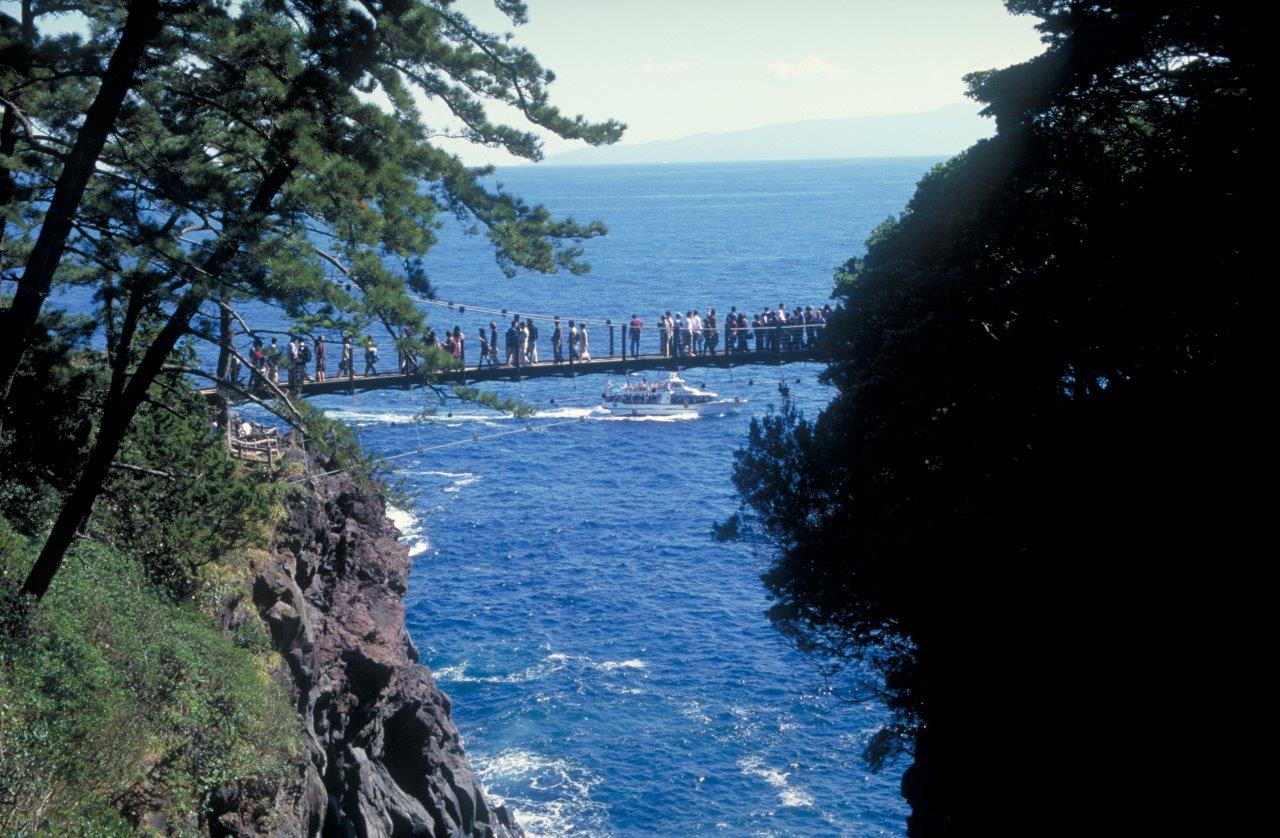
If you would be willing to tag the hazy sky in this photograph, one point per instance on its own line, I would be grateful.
(670, 68)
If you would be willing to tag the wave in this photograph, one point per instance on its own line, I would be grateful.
(354, 416)
(604, 666)
(559, 412)
(682, 417)
(788, 795)
(493, 419)
(523, 779)
(390, 416)
(458, 674)
(410, 530)
(457, 479)
(693, 711)
(555, 662)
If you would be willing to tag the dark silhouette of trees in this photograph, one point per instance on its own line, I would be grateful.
(1025, 509)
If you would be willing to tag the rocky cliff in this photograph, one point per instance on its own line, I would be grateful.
(383, 756)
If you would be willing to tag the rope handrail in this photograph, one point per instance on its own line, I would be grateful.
(464, 307)
(506, 312)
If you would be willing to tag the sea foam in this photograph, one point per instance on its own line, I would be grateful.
(788, 795)
(517, 772)
(410, 530)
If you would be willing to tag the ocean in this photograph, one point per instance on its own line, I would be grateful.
(611, 665)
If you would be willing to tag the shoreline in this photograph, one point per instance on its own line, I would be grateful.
(383, 756)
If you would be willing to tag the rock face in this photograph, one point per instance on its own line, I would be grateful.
(384, 758)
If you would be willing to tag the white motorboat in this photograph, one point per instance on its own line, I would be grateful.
(669, 396)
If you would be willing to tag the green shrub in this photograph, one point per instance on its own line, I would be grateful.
(117, 695)
(194, 510)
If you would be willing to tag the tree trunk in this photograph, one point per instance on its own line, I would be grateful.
(122, 403)
(224, 364)
(140, 28)
(117, 415)
(224, 342)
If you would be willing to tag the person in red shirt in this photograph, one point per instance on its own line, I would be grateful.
(636, 325)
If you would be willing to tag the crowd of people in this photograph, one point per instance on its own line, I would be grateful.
(266, 361)
(691, 333)
(770, 330)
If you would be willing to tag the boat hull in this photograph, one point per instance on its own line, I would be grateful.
(703, 409)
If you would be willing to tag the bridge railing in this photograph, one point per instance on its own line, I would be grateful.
(612, 341)
(657, 342)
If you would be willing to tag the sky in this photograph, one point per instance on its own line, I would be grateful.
(671, 68)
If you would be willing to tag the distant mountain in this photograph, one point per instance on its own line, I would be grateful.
(933, 133)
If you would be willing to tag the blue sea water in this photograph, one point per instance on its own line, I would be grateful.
(612, 668)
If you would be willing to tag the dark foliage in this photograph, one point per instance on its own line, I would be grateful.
(174, 502)
(192, 506)
(1026, 505)
(44, 437)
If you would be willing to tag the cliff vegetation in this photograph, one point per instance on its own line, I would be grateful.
(123, 702)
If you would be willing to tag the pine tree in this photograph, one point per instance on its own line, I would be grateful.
(252, 161)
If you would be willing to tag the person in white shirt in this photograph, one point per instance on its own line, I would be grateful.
(585, 354)
(531, 331)
(695, 332)
(678, 332)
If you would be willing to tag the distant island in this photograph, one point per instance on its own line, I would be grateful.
(941, 132)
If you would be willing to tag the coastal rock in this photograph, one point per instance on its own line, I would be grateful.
(383, 755)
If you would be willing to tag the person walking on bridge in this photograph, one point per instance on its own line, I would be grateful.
(695, 332)
(273, 361)
(531, 329)
(557, 343)
(291, 362)
(710, 334)
(320, 363)
(665, 325)
(459, 346)
(636, 325)
(370, 357)
(347, 360)
(304, 358)
(511, 338)
(584, 352)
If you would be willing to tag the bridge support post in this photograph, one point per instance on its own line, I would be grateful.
(610, 323)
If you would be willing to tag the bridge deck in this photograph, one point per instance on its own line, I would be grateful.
(543, 369)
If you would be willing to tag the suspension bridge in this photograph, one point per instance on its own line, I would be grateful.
(622, 352)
